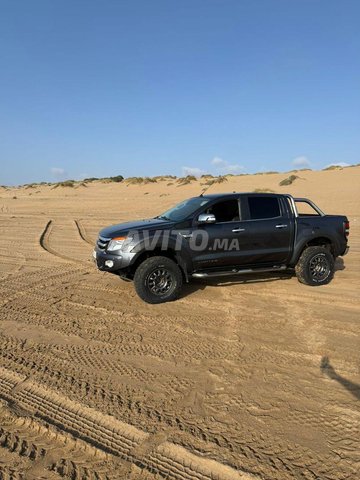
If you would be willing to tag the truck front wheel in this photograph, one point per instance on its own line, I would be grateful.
(157, 280)
(316, 266)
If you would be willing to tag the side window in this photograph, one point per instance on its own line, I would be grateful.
(226, 211)
(263, 207)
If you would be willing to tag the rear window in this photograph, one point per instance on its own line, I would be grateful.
(263, 207)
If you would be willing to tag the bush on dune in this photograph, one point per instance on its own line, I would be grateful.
(162, 178)
(140, 180)
(214, 180)
(35, 184)
(186, 180)
(134, 180)
(288, 180)
(333, 167)
(117, 179)
(301, 170)
(90, 180)
(264, 190)
(66, 183)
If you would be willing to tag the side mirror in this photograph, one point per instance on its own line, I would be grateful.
(206, 218)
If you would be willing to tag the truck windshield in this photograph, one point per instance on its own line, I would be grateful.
(184, 209)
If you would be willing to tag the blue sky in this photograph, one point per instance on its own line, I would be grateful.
(98, 88)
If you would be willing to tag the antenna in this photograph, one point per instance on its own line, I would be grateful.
(205, 189)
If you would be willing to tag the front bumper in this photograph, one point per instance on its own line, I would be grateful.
(107, 262)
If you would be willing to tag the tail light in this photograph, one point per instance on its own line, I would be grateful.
(347, 228)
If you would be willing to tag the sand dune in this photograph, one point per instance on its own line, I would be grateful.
(250, 378)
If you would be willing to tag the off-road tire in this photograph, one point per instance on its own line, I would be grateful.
(315, 267)
(158, 280)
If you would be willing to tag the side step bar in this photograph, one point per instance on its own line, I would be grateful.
(235, 271)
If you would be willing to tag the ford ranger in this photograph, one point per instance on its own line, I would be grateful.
(223, 235)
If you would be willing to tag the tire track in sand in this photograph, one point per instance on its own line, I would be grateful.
(41, 451)
(45, 244)
(82, 232)
(111, 435)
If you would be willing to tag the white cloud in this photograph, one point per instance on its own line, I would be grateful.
(57, 172)
(339, 164)
(218, 162)
(225, 167)
(197, 172)
(233, 168)
(221, 166)
(301, 162)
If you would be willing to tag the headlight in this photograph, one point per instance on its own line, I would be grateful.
(117, 243)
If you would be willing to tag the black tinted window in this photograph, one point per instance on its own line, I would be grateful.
(264, 207)
(225, 211)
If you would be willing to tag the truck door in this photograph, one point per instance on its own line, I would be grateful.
(227, 238)
(270, 228)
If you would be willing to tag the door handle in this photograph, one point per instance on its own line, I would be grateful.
(281, 226)
(238, 230)
(186, 235)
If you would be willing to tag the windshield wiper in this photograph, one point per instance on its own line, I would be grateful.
(163, 217)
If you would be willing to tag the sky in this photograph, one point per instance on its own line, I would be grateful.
(141, 88)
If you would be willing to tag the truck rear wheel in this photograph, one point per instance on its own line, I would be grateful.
(157, 280)
(316, 266)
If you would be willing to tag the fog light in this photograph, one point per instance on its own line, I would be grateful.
(109, 263)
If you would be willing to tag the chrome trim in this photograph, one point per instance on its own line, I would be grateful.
(206, 218)
(234, 271)
(104, 239)
(102, 242)
(251, 220)
(294, 222)
(292, 203)
(312, 204)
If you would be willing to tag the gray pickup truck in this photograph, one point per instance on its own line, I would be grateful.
(223, 234)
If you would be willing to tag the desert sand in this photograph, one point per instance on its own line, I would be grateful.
(248, 378)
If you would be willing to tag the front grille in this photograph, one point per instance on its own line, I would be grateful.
(102, 242)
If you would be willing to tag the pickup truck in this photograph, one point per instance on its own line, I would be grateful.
(223, 235)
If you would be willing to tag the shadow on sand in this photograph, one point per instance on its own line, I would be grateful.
(339, 264)
(330, 372)
(201, 284)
